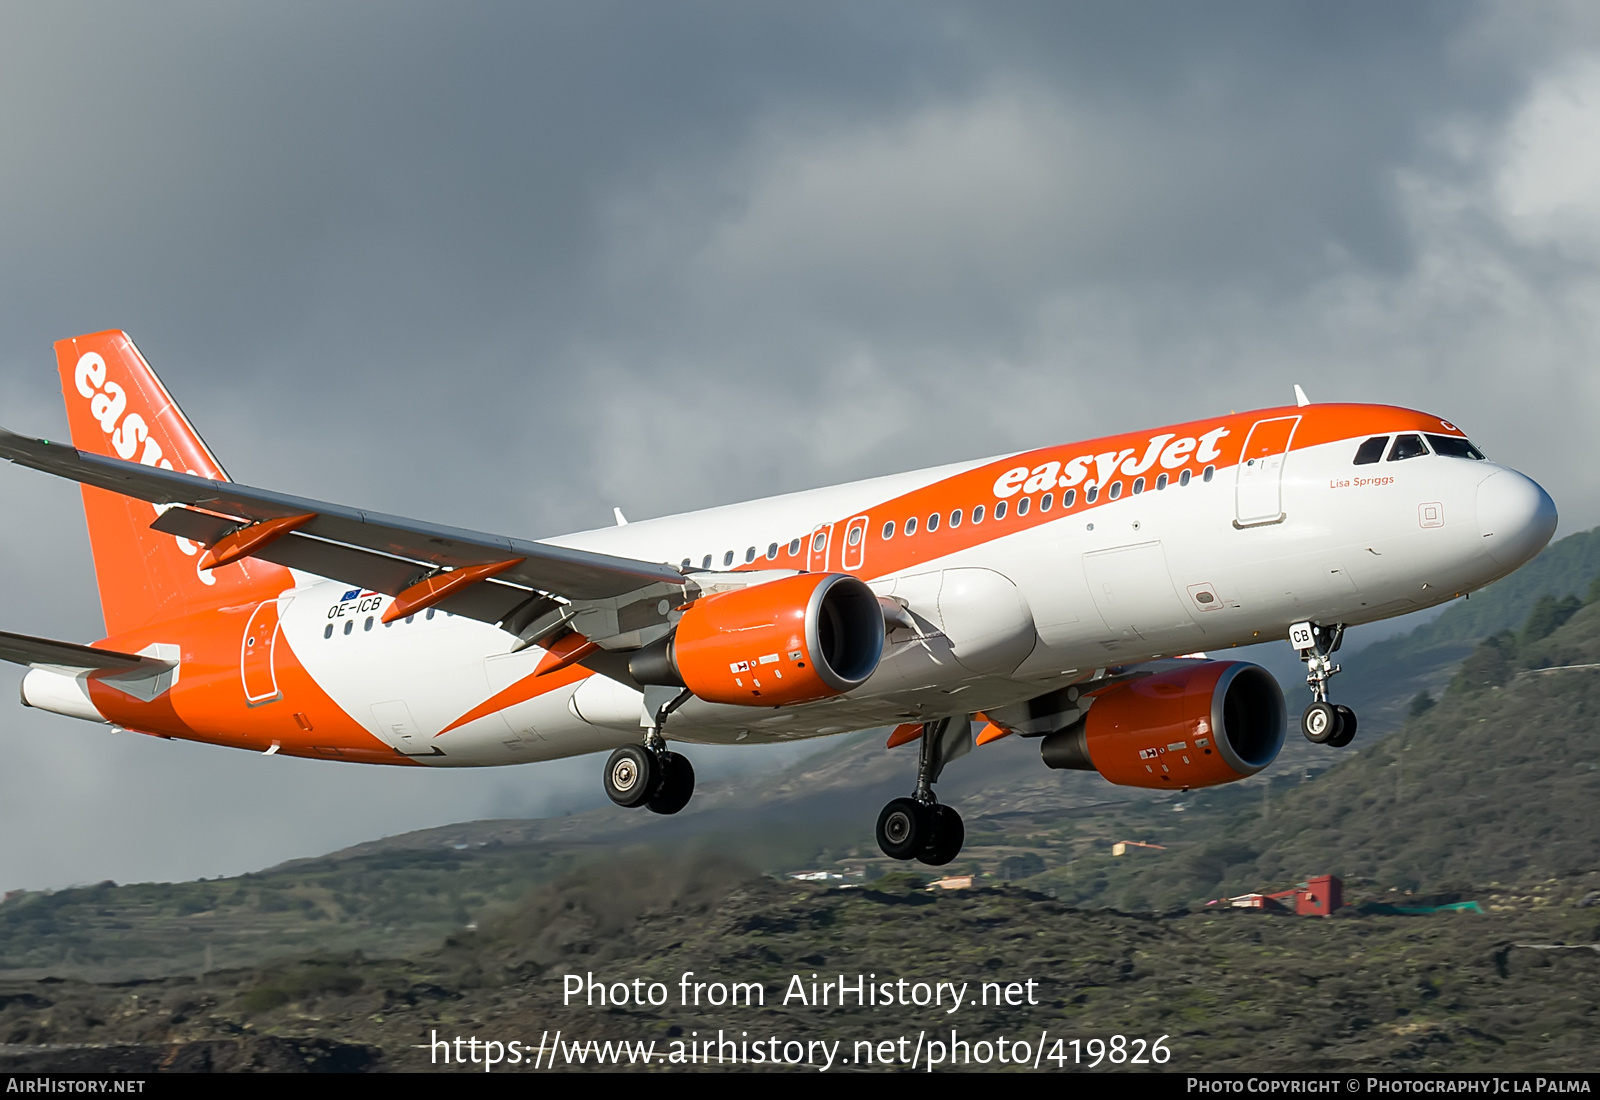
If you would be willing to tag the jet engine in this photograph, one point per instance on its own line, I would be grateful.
(794, 640)
(1199, 725)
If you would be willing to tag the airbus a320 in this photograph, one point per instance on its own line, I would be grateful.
(1064, 594)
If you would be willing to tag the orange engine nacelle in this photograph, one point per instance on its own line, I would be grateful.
(794, 640)
(1206, 723)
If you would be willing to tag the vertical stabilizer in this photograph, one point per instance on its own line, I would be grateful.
(117, 406)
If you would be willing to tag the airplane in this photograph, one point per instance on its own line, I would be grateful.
(1065, 594)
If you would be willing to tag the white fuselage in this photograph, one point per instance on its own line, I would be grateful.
(1157, 573)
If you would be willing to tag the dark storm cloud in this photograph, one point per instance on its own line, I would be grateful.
(508, 265)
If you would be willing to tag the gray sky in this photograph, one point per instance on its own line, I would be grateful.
(506, 266)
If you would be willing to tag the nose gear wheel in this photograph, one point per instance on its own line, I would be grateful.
(1323, 723)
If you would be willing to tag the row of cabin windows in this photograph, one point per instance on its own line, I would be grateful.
(1046, 503)
(350, 624)
(749, 556)
(1410, 445)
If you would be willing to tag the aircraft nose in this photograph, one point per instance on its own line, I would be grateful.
(1515, 516)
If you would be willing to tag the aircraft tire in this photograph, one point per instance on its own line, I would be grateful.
(631, 775)
(1320, 723)
(949, 834)
(903, 828)
(677, 785)
(1347, 727)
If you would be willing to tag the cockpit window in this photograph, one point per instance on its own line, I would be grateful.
(1454, 447)
(1407, 446)
(1371, 450)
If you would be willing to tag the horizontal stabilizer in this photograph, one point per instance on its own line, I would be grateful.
(25, 650)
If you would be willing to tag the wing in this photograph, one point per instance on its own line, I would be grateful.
(421, 564)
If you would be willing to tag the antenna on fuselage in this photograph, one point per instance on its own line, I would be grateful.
(622, 520)
(1300, 397)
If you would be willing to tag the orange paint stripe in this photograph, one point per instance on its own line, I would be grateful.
(876, 556)
(569, 650)
(531, 686)
(426, 593)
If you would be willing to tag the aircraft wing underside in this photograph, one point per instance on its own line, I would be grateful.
(381, 552)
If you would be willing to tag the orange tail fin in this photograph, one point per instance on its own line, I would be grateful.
(117, 406)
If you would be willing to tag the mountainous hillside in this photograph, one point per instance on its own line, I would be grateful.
(1224, 989)
(1378, 677)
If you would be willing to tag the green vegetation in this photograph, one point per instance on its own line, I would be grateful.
(383, 903)
(1231, 989)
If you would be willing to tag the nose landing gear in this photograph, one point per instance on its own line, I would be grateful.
(919, 827)
(1323, 723)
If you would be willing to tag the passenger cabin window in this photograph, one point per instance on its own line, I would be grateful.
(684, 568)
(1116, 489)
(955, 518)
(1161, 482)
(772, 552)
(1000, 510)
(705, 562)
(1454, 447)
(1370, 451)
(1208, 473)
(888, 530)
(1022, 506)
(911, 525)
(1183, 478)
(1138, 486)
(1093, 493)
(1046, 502)
(1406, 446)
(977, 514)
(794, 547)
(854, 537)
(750, 555)
(1068, 498)
(727, 559)
(933, 523)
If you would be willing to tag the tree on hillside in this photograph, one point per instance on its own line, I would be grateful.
(1548, 615)
(1490, 665)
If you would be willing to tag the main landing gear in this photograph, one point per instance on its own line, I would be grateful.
(1323, 723)
(919, 827)
(650, 774)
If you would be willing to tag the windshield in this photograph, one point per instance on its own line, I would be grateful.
(1454, 447)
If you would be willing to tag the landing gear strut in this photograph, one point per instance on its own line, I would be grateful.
(1323, 723)
(919, 827)
(650, 774)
